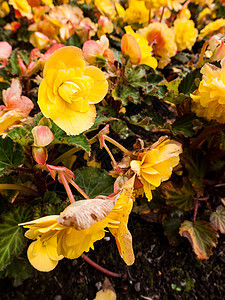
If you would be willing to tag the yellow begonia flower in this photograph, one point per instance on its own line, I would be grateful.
(22, 6)
(212, 28)
(136, 13)
(76, 229)
(185, 34)
(209, 98)
(106, 7)
(69, 90)
(162, 40)
(4, 9)
(143, 55)
(157, 164)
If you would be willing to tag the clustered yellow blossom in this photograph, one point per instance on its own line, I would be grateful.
(136, 13)
(155, 164)
(209, 98)
(76, 229)
(69, 90)
(185, 33)
(4, 8)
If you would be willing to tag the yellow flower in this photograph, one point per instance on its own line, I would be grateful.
(78, 227)
(137, 49)
(212, 28)
(69, 90)
(157, 164)
(162, 40)
(106, 7)
(185, 33)
(209, 98)
(136, 13)
(22, 6)
(4, 9)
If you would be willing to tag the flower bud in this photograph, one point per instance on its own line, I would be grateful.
(42, 136)
(40, 155)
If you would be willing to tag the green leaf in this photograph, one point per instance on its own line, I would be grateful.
(136, 76)
(184, 125)
(182, 57)
(12, 240)
(183, 197)
(126, 94)
(10, 155)
(121, 128)
(201, 235)
(187, 85)
(171, 230)
(196, 164)
(73, 140)
(20, 269)
(73, 41)
(217, 218)
(154, 78)
(21, 136)
(25, 56)
(15, 68)
(94, 181)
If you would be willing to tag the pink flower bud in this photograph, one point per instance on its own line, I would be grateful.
(5, 50)
(40, 155)
(42, 136)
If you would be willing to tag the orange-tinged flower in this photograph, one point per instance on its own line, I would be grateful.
(155, 165)
(137, 48)
(209, 99)
(39, 40)
(23, 7)
(69, 90)
(162, 40)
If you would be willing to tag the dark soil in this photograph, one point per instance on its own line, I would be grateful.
(160, 271)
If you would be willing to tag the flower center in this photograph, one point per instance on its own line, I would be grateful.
(68, 91)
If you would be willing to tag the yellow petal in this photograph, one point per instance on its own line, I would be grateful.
(78, 122)
(124, 245)
(100, 87)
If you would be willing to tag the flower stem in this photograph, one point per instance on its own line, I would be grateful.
(163, 9)
(66, 185)
(77, 188)
(17, 187)
(101, 269)
(195, 210)
(149, 16)
(72, 151)
(201, 56)
(118, 145)
(112, 158)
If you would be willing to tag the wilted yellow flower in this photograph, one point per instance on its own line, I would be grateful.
(78, 227)
(209, 98)
(156, 165)
(69, 90)
(185, 33)
(23, 7)
(136, 13)
(143, 53)
(212, 28)
(162, 40)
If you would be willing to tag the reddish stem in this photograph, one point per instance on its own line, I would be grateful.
(101, 269)
(66, 186)
(195, 210)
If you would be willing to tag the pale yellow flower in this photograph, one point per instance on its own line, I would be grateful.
(156, 164)
(69, 90)
(209, 98)
(185, 34)
(4, 9)
(212, 28)
(162, 40)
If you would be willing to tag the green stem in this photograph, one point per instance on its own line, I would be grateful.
(118, 145)
(72, 151)
(17, 187)
(66, 186)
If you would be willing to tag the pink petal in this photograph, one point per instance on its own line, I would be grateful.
(5, 50)
(91, 49)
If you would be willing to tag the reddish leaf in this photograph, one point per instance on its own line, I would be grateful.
(201, 235)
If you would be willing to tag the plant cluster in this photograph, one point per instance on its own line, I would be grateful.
(109, 107)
